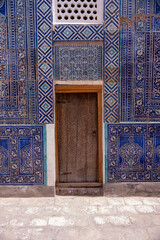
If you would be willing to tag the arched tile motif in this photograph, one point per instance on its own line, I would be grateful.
(133, 152)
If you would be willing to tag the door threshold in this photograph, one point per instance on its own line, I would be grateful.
(80, 191)
(79, 185)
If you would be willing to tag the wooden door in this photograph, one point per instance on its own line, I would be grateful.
(77, 137)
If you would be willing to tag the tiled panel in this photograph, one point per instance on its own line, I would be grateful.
(157, 7)
(140, 72)
(133, 152)
(111, 61)
(78, 62)
(21, 155)
(18, 96)
(78, 32)
(45, 61)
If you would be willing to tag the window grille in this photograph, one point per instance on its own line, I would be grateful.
(77, 11)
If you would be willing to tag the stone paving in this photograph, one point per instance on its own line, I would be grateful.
(80, 218)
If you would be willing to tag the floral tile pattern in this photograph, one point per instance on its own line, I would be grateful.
(133, 152)
(21, 155)
(18, 96)
(78, 62)
(111, 61)
(140, 61)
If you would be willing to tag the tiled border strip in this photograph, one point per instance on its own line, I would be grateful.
(45, 59)
(111, 60)
(78, 32)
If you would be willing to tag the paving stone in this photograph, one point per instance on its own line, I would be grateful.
(89, 209)
(106, 210)
(116, 201)
(126, 209)
(151, 201)
(145, 209)
(133, 201)
(154, 233)
(38, 222)
(80, 218)
(141, 220)
(138, 233)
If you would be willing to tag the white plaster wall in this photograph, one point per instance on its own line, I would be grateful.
(51, 166)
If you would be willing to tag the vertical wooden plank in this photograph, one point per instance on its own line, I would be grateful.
(92, 139)
(72, 138)
(56, 140)
(100, 142)
(62, 136)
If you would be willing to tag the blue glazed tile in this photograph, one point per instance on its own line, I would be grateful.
(133, 152)
(157, 11)
(111, 60)
(78, 62)
(21, 155)
(78, 33)
(45, 62)
(18, 96)
(139, 64)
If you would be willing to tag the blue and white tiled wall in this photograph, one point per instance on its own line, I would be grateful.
(26, 90)
(132, 144)
(124, 52)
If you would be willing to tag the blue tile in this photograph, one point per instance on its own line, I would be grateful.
(139, 64)
(78, 62)
(21, 155)
(157, 7)
(45, 61)
(18, 96)
(78, 32)
(133, 152)
(111, 60)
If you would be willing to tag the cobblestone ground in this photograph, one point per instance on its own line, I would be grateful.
(80, 218)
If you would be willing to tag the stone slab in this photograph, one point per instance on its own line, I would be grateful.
(132, 189)
(26, 191)
(79, 191)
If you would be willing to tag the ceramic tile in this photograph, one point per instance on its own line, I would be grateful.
(78, 62)
(21, 155)
(45, 61)
(133, 152)
(78, 32)
(139, 63)
(17, 63)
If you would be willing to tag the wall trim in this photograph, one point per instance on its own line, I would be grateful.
(26, 191)
(139, 189)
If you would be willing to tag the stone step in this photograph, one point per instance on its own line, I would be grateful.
(94, 191)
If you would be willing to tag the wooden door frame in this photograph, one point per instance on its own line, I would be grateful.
(82, 89)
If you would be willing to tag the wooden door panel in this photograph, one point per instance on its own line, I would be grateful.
(77, 127)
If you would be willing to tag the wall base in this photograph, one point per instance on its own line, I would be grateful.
(26, 191)
(132, 189)
(79, 191)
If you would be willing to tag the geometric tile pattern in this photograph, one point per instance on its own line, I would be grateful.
(133, 152)
(45, 61)
(21, 155)
(140, 61)
(18, 96)
(78, 62)
(78, 32)
(111, 61)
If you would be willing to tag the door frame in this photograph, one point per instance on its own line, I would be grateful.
(82, 89)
